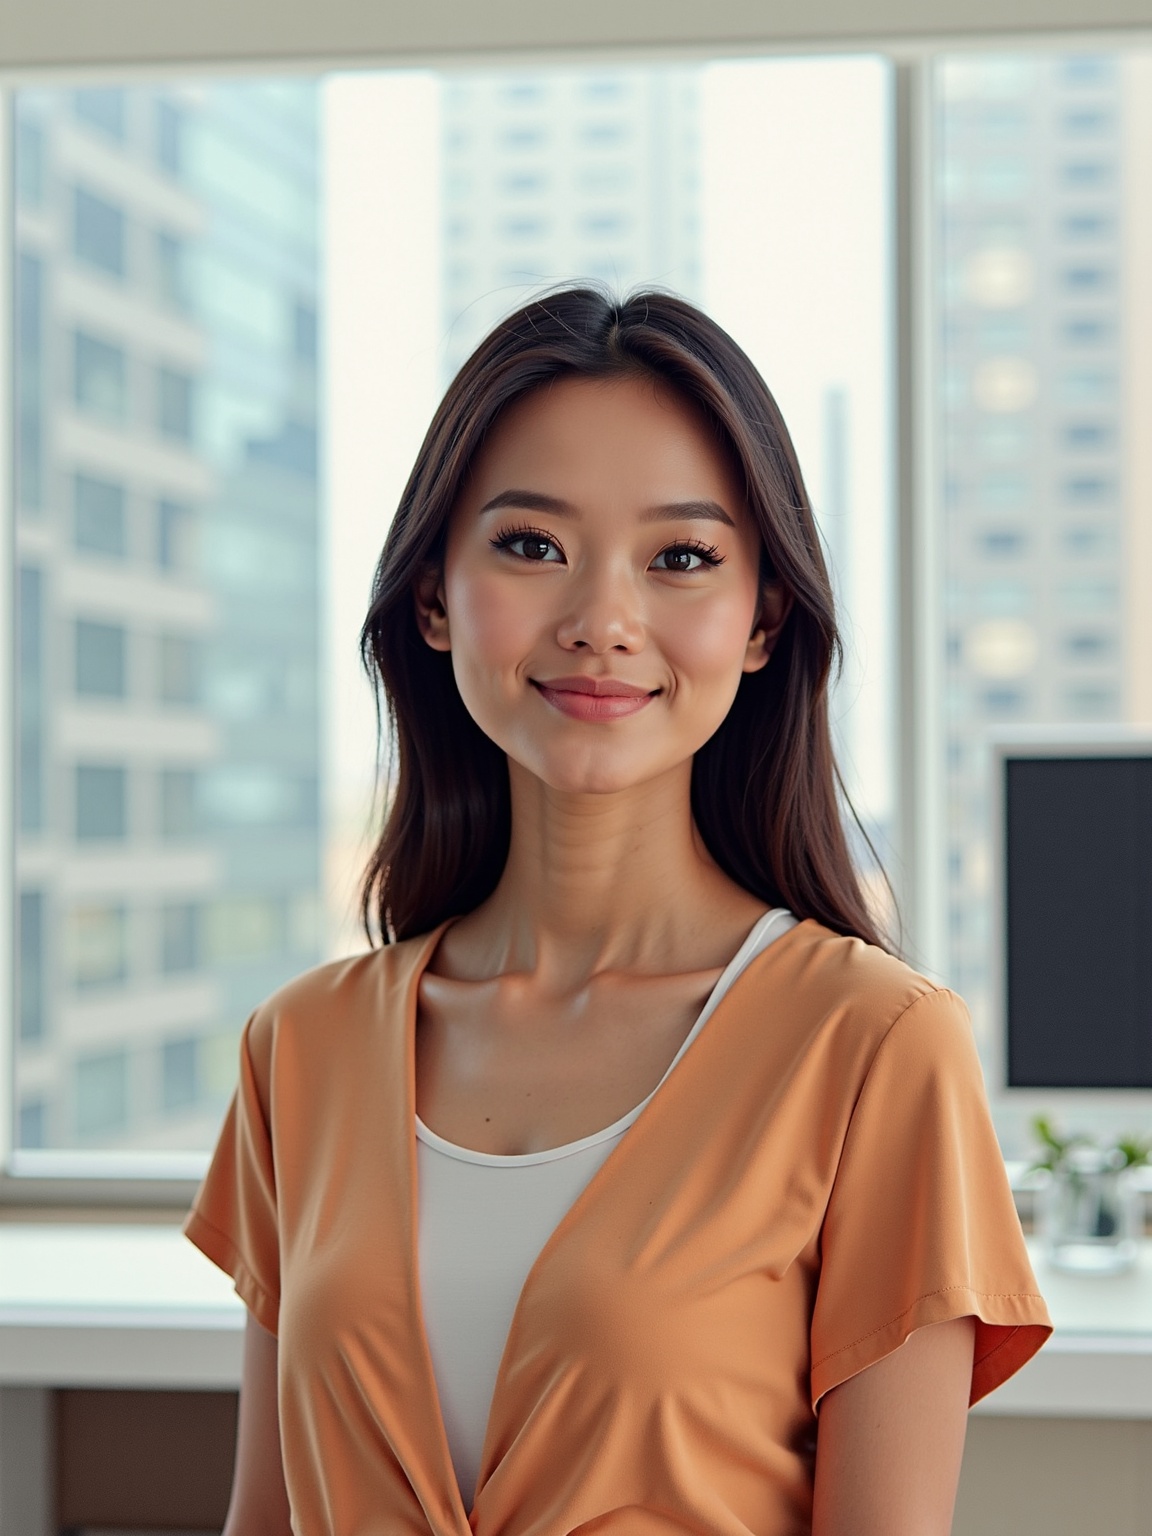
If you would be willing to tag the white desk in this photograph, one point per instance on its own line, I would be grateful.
(138, 1306)
(1098, 1362)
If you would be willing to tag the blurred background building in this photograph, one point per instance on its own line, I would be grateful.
(565, 174)
(1042, 304)
(168, 855)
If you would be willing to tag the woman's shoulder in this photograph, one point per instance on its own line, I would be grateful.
(826, 1013)
(868, 990)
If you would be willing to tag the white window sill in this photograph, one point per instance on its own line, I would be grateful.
(114, 1306)
(138, 1306)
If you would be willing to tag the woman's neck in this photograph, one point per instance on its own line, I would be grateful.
(598, 883)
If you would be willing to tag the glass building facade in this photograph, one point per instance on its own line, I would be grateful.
(561, 175)
(168, 868)
(1037, 310)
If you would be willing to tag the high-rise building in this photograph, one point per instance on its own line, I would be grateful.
(168, 859)
(1035, 316)
(569, 173)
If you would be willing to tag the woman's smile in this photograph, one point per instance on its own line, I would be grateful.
(593, 698)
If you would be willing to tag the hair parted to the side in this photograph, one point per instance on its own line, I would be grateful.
(765, 790)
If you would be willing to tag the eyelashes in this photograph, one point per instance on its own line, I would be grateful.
(543, 543)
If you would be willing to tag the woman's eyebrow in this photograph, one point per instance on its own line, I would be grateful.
(671, 511)
(531, 501)
(684, 511)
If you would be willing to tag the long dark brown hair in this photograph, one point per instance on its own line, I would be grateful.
(765, 791)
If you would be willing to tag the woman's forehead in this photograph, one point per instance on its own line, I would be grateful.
(631, 436)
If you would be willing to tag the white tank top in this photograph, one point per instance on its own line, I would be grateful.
(484, 1218)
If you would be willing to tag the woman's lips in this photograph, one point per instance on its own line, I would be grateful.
(585, 698)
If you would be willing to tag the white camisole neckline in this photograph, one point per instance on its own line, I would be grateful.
(758, 938)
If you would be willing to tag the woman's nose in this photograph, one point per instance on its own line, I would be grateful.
(604, 614)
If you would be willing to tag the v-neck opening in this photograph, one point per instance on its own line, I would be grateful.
(752, 941)
(569, 1217)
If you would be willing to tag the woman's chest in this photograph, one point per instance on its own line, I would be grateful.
(693, 1242)
(665, 1294)
(504, 1070)
(655, 1346)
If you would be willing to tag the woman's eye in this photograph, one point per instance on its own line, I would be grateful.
(533, 548)
(683, 557)
(530, 546)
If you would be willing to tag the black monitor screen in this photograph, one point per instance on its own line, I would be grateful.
(1078, 834)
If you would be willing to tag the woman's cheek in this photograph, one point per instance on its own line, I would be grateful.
(710, 645)
(491, 623)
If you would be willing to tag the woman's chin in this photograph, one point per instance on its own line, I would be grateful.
(594, 775)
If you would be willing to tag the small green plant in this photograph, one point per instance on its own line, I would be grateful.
(1054, 1148)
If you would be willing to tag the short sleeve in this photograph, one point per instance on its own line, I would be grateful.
(921, 1225)
(234, 1215)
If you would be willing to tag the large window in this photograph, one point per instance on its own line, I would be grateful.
(239, 303)
(1044, 303)
(236, 305)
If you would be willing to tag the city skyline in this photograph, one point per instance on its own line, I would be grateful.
(168, 859)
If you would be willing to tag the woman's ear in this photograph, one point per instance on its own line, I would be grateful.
(431, 612)
(775, 606)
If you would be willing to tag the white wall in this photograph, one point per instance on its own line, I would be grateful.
(69, 32)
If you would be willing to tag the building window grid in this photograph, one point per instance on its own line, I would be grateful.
(101, 659)
(31, 976)
(104, 109)
(99, 233)
(101, 803)
(102, 1094)
(100, 377)
(99, 516)
(103, 376)
(1078, 213)
(31, 712)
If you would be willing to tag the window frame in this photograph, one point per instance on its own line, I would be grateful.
(167, 1181)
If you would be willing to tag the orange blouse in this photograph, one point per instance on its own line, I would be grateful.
(817, 1178)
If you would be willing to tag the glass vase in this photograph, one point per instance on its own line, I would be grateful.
(1091, 1213)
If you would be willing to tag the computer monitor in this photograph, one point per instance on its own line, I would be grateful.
(1072, 915)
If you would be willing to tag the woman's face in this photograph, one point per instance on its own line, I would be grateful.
(600, 594)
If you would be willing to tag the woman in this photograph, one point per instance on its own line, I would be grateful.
(631, 1157)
